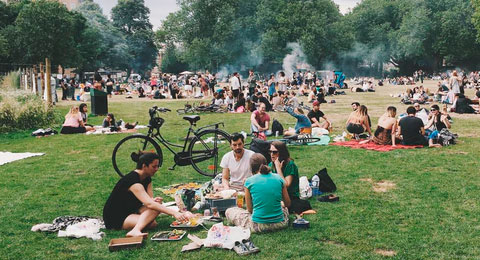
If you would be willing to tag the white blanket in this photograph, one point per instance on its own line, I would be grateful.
(6, 157)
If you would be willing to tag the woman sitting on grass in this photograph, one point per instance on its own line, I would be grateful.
(286, 168)
(436, 123)
(74, 123)
(386, 128)
(357, 122)
(109, 122)
(131, 205)
(264, 193)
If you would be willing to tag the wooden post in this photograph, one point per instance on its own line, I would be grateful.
(42, 75)
(49, 86)
(34, 80)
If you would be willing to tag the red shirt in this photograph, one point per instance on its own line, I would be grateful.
(261, 119)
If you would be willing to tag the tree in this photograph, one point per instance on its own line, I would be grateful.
(131, 18)
(45, 29)
(104, 43)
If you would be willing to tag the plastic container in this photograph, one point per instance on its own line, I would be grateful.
(222, 204)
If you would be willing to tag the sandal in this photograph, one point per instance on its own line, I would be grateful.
(329, 198)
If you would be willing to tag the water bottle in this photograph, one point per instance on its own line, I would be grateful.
(315, 185)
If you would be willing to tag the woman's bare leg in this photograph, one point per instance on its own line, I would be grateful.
(138, 222)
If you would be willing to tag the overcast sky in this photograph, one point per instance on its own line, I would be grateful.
(159, 9)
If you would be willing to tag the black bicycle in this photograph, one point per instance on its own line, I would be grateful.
(203, 148)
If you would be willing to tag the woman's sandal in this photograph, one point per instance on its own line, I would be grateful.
(329, 198)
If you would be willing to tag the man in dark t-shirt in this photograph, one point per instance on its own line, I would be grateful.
(315, 114)
(412, 129)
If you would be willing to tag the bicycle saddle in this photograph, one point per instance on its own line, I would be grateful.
(192, 119)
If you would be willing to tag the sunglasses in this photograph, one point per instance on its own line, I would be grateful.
(274, 152)
(433, 110)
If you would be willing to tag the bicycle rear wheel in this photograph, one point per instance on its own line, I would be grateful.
(122, 153)
(207, 150)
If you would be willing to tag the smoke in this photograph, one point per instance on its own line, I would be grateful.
(248, 60)
(295, 60)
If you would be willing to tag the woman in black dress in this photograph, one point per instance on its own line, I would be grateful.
(131, 205)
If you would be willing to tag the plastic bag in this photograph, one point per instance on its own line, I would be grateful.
(224, 236)
(305, 189)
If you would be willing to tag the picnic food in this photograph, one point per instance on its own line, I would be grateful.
(169, 235)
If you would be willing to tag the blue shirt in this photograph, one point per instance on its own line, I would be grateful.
(302, 120)
(266, 191)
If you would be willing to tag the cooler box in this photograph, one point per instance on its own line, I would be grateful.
(99, 103)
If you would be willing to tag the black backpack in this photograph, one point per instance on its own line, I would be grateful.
(277, 127)
(326, 183)
(260, 146)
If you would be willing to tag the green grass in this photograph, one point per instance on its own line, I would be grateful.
(433, 212)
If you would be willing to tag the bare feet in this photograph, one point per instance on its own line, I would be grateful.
(136, 233)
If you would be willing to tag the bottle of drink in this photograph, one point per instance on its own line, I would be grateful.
(315, 184)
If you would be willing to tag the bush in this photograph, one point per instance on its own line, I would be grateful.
(11, 81)
(20, 110)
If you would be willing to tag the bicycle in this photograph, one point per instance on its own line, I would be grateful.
(203, 147)
(201, 109)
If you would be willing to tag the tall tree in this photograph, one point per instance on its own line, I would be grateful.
(132, 18)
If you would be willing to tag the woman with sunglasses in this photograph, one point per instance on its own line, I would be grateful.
(286, 168)
(437, 122)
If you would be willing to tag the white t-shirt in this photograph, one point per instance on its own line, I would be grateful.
(234, 83)
(239, 170)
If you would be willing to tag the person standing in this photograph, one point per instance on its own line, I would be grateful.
(282, 83)
(252, 82)
(72, 87)
(235, 85)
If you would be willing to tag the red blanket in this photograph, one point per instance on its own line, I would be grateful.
(373, 146)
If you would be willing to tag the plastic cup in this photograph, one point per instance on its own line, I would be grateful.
(240, 199)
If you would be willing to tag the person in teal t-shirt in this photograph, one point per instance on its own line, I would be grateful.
(264, 194)
(286, 168)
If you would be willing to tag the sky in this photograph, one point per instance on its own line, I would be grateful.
(159, 9)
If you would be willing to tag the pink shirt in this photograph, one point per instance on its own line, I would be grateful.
(73, 121)
(261, 119)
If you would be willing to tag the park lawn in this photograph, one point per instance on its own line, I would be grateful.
(431, 213)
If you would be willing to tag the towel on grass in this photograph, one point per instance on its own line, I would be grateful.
(6, 157)
(373, 146)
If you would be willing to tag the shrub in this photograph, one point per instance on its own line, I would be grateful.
(20, 110)
(11, 81)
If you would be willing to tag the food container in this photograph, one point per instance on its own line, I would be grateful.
(173, 235)
(301, 223)
(125, 243)
(222, 204)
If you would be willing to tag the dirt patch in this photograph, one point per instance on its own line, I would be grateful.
(74, 152)
(457, 152)
(385, 252)
(381, 186)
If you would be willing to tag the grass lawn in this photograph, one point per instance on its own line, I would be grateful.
(431, 213)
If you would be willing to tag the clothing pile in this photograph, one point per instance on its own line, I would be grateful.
(71, 226)
(44, 132)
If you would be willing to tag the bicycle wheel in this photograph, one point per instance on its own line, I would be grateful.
(303, 140)
(207, 150)
(122, 153)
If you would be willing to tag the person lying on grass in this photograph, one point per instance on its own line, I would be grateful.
(131, 205)
(264, 194)
(303, 124)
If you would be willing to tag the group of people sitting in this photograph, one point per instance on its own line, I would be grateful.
(271, 191)
(408, 130)
(260, 121)
(76, 122)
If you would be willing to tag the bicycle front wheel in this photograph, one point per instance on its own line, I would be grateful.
(207, 149)
(122, 153)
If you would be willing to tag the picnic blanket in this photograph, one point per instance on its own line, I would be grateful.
(106, 130)
(6, 157)
(373, 146)
(324, 140)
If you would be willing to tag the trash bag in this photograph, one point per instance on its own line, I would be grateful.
(260, 146)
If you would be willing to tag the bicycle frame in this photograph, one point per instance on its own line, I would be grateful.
(191, 131)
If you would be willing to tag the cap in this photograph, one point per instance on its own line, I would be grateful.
(316, 103)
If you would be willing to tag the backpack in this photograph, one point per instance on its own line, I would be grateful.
(326, 183)
(446, 137)
(277, 127)
(260, 146)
